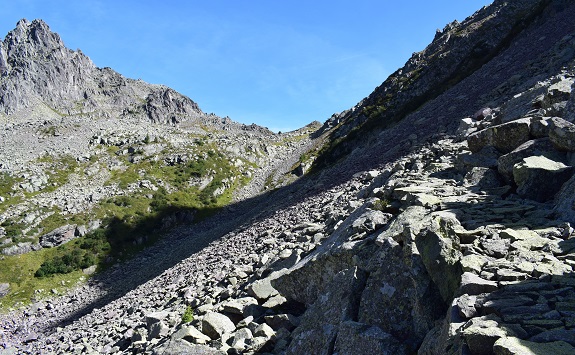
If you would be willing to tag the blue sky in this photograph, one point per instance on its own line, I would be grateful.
(279, 64)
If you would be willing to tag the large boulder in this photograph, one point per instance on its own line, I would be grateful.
(504, 137)
(58, 236)
(562, 134)
(438, 245)
(215, 325)
(359, 338)
(557, 96)
(319, 325)
(516, 346)
(399, 296)
(564, 207)
(542, 147)
(539, 178)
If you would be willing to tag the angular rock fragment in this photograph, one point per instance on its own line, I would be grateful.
(192, 335)
(504, 137)
(438, 246)
(516, 346)
(215, 325)
(537, 147)
(562, 134)
(539, 178)
(475, 285)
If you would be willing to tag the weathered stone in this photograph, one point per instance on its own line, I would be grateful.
(155, 317)
(215, 324)
(537, 147)
(370, 221)
(475, 285)
(504, 137)
(562, 134)
(359, 338)
(318, 327)
(245, 306)
(466, 305)
(564, 206)
(516, 346)
(438, 246)
(158, 330)
(482, 178)
(180, 346)
(540, 126)
(481, 334)
(399, 297)
(473, 263)
(262, 289)
(241, 338)
(495, 304)
(192, 335)
(567, 335)
(539, 178)
(58, 236)
(274, 301)
(404, 226)
(278, 321)
(466, 127)
(495, 247)
(264, 330)
(485, 158)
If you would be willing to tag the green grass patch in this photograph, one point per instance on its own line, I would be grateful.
(18, 271)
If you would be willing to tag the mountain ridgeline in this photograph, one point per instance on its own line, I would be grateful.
(434, 217)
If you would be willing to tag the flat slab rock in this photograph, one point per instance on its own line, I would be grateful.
(540, 178)
(516, 346)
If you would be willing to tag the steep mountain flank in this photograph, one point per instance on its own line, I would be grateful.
(446, 230)
(457, 51)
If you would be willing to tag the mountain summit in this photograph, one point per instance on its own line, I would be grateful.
(38, 70)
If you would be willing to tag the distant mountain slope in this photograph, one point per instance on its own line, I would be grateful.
(88, 153)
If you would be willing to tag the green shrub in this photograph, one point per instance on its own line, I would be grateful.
(188, 315)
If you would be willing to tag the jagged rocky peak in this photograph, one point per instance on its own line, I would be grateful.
(37, 33)
(38, 70)
(36, 66)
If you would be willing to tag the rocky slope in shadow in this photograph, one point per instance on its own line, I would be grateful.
(448, 232)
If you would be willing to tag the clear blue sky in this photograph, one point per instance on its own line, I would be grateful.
(280, 64)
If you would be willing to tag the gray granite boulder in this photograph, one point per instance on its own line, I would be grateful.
(359, 338)
(542, 147)
(539, 178)
(438, 246)
(562, 134)
(516, 346)
(504, 137)
(215, 325)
